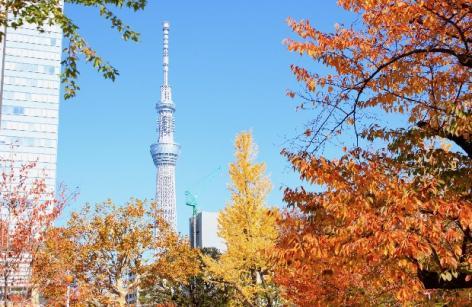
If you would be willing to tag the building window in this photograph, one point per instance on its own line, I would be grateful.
(13, 110)
(50, 70)
(18, 110)
(8, 95)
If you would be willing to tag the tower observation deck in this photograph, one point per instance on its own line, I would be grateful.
(165, 152)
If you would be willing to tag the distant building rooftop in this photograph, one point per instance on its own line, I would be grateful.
(206, 234)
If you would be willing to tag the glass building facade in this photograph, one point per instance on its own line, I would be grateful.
(30, 62)
(30, 67)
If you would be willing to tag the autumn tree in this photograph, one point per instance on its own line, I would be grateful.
(248, 228)
(393, 215)
(408, 57)
(45, 13)
(56, 269)
(173, 265)
(27, 211)
(205, 290)
(200, 289)
(107, 252)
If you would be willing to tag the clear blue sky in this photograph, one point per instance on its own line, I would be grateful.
(229, 71)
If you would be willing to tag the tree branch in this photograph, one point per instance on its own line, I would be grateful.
(460, 140)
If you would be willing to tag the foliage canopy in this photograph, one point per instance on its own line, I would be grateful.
(390, 221)
(248, 229)
(46, 13)
(107, 252)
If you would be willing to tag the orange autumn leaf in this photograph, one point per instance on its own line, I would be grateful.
(388, 224)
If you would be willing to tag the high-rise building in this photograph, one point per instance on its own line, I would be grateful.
(204, 231)
(30, 66)
(165, 152)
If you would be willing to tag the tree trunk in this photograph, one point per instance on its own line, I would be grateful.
(5, 290)
(122, 291)
(122, 300)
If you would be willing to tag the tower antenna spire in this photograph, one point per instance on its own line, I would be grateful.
(165, 53)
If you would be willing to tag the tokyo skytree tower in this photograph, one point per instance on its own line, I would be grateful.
(165, 152)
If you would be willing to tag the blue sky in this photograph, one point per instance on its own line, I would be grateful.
(229, 71)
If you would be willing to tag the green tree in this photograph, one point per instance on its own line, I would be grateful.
(248, 228)
(44, 13)
(200, 290)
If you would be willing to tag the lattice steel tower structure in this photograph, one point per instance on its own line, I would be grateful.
(165, 152)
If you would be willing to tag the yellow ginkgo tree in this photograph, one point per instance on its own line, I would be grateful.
(248, 228)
